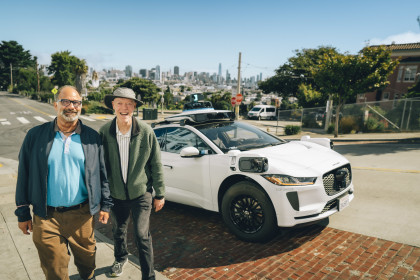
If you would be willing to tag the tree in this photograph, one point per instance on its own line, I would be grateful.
(309, 97)
(343, 76)
(221, 100)
(168, 96)
(12, 55)
(413, 91)
(148, 91)
(66, 68)
(295, 72)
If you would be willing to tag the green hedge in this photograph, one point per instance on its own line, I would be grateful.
(292, 129)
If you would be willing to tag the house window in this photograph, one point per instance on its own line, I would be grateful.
(410, 73)
(385, 96)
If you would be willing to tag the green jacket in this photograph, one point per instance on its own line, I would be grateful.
(144, 166)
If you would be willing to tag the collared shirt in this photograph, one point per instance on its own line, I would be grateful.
(66, 170)
(124, 148)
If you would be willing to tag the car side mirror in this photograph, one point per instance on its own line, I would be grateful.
(190, 152)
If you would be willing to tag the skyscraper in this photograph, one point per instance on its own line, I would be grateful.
(128, 71)
(143, 73)
(176, 71)
(157, 76)
(220, 69)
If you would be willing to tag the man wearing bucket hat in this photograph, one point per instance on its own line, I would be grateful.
(132, 159)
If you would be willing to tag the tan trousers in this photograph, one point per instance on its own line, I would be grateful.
(54, 235)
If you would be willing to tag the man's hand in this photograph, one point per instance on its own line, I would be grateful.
(103, 217)
(25, 227)
(158, 204)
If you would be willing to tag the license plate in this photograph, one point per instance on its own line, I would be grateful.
(343, 202)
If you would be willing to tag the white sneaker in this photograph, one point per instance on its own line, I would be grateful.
(117, 268)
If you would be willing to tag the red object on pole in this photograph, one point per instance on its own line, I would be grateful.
(233, 101)
(239, 98)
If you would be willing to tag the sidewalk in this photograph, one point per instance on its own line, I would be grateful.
(18, 255)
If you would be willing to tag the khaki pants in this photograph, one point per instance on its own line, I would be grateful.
(54, 235)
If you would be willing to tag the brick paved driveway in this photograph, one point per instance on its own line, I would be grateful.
(191, 243)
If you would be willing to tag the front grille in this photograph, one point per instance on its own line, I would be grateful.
(337, 180)
(330, 205)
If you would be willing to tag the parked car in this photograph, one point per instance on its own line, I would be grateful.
(257, 182)
(267, 112)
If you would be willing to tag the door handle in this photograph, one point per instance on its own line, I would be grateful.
(169, 166)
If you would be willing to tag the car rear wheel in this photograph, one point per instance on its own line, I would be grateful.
(248, 213)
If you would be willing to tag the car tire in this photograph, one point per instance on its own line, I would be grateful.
(249, 213)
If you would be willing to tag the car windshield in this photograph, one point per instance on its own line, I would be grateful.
(255, 109)
(237, 136)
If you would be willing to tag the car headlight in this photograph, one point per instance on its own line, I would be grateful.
(286, 180)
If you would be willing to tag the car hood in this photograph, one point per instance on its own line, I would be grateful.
(298, 158)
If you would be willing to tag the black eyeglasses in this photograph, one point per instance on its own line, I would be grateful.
(66, 102)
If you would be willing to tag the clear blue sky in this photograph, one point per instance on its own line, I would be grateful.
(198, 35)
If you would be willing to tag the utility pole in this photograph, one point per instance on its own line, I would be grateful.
(239, 87)
(11, 77)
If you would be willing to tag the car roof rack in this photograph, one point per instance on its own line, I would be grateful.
(198, 117)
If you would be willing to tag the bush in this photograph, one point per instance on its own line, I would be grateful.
(96, 96)
(95, 107)
(331, 129)
(348, 124)
(46, 96)
(373, 125)
(310, 122)
(34, 96)
(291, 129)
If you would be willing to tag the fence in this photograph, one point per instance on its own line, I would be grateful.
(381, 116)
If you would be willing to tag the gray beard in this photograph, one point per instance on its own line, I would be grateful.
(70, 119)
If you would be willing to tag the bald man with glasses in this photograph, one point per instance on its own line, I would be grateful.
(62, 175)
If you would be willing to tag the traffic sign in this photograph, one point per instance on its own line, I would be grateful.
(233, 101)
(239, 98)
(54, 91)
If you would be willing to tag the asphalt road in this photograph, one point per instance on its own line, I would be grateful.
(386, 176)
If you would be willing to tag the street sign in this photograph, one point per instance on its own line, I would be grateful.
(239, 98)
(233, 101)
(54, 91)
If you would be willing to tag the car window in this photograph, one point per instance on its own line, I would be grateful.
(271, 109)
(237, 136)
(177, 138)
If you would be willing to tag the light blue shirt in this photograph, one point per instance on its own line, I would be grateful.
(66, 172)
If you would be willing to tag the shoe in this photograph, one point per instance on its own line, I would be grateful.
(117, 268)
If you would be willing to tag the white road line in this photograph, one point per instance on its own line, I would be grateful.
(5, 123)
(41, 119)
(23, 120)
(87, 118)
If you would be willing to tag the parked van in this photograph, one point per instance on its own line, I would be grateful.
(266, 112)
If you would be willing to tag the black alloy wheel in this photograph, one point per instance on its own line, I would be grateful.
(249, 213)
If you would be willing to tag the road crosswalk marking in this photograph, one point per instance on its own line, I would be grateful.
(27, 120)
(41, 119)
(23, 120)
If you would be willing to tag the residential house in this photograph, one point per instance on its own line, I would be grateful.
(405, 75)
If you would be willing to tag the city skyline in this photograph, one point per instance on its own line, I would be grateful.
(199, 36)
